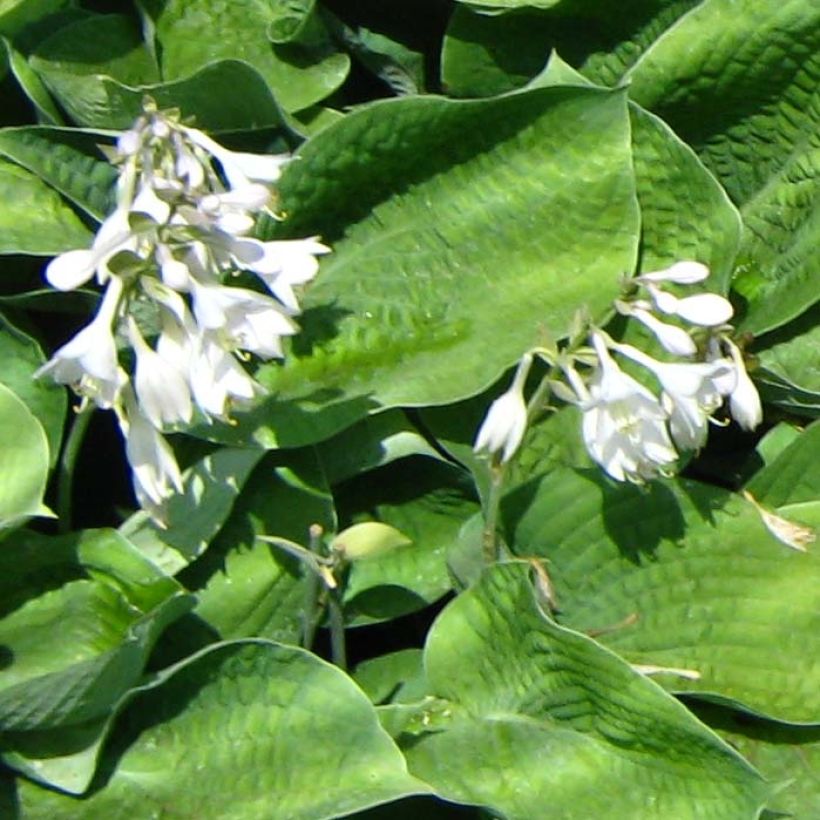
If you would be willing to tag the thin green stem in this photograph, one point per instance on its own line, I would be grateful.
(312, 613)
(338, 647)
(490, 535)
(68, 463)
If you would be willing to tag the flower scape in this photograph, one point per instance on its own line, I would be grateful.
(171, 253)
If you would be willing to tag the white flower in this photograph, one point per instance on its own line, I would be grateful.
(240, 168)
(71, 269)
(280, 264)
(673, 339)
(744, 400)
(691, 393)
(154, 470)
(217, 379)
(88, 362)
(504, 425)
(681, 273)
(702, 309)
(249, 320)
(624, 425)
(162, 390)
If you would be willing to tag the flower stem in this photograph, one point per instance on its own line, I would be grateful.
(338, 648)
(312, 609)
(68, 463)
(490, 536)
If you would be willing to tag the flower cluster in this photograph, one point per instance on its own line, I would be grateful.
(633, 432)
(180, 232)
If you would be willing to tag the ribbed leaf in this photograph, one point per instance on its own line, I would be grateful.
(81, 613)
(540, 716)
(20, 357)
(67, 160)
(25, 457)
(245, 729)
(485, 55)
(209, 95)
(720, 79)
(193, 34)
(33, 217)
(681, 575)
(455, 215)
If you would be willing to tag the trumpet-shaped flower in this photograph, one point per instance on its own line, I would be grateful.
(624, 425)
(88, 362)
(672, 338)
(154, 469)
(161, 388)
(504, 425)
(691, 393)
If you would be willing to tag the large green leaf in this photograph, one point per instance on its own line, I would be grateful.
(81, 613)
(244, 729)
(33, 217)
(681, 575)
(454, 214)
(786, 755)
(788, 364)
(538, 716)
(24, 456)
(208, 95)
(484, 55)
(20, 357)
(719, 78)
(193, 34)
(66, 159)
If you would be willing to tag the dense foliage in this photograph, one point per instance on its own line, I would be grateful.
(487, 175)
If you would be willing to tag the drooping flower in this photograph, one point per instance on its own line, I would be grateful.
(702, 309)
(88, 362)
(672, 338)
(691, 393)
(685, 272)
(744, 400)
(503, 428)
(624, 425)
(162, 390)
(154, 470)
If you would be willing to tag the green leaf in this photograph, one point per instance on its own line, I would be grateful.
(208, 95)
(561, 722)
(787, 756)
(95, 46)
(20, 357)
(24, 456)
(680, 575)
(397, 677)
(485, 55)
(81, 613)
(793, 477)
(718, 78)
(33, 217)
(459, 211)
(194, 516)
(248, 588)
(194, 34)
(243, 729)
(68, 160)
(15, 15)
(32, 86)
(427, 502)
(372, 442)
(788, 372)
